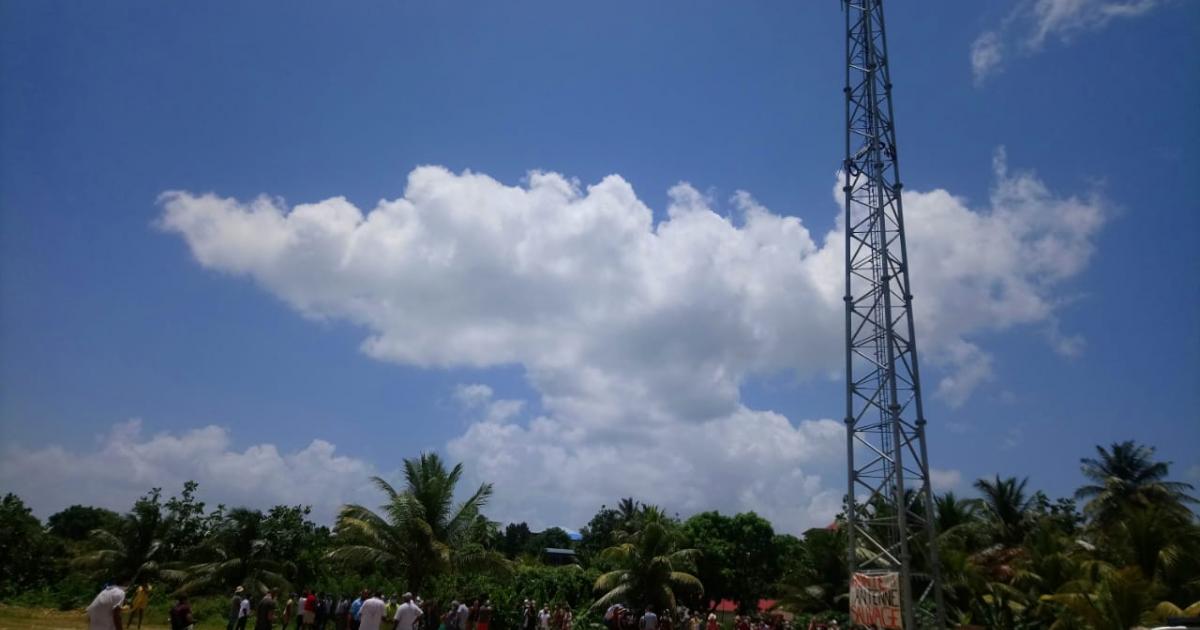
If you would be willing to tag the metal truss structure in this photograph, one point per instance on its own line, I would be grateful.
(889, 501)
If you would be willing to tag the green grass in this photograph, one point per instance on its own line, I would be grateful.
(23, 618)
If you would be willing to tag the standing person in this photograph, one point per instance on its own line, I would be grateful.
(341, 613)
(649, 619)
(264, 617)
(181, 614)
(288, 609)
(389, 611)
(235, 607)
(356, 609)
(322, 611)
(484, 621)
(568, 618)
(712, 622)
(243, 614)
(370, 615)
(529, 617)
(141, 599)
(464, 615)
(473, 615)
(104, 613)
(665, 620)
(310, 610)
(407, 614)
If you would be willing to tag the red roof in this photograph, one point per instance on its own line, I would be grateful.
(728, 605)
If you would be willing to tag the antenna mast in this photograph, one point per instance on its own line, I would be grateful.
(889, 505)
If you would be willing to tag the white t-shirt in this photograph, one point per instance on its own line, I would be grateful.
(544, 619)
(371, 614)
(244, 609)
(100, 611)
(407, 615)
(464, 613)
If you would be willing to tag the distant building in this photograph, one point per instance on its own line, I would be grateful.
(558, 557)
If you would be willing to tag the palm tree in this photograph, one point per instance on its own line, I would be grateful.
(419, 532)
(1008, 507)
(238, 554)
(1125, 476)
(1106, 598)
(131, 552)
(952, 512)
(821, 581)
(649, 568)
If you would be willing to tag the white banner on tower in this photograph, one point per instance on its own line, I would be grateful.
(875, 600)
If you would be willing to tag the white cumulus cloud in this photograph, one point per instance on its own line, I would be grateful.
(1032, 22)
(638, 333)
(125, 463)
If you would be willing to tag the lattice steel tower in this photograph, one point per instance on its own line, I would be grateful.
(889, 495)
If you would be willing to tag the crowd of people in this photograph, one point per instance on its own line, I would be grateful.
(306, 610)
(373, 610)
(369, 610)
(619, 617)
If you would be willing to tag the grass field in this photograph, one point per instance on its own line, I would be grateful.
(20, 618)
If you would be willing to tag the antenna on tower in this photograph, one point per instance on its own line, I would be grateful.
(891, 534)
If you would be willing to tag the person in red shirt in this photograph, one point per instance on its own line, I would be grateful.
(310, 610)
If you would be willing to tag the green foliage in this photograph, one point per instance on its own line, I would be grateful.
(1007, 508)
(25, 550)
(1125, 476)
(131, 551)
(650, 567)
(599, 534)
(738, 559)
(420, 534)
(76, 522)
(239, 552)
(1012, 558)
(568, 585)
(185, 524)
(518, 541)
(819, 580)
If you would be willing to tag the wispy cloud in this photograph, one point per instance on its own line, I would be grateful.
(1026, 29)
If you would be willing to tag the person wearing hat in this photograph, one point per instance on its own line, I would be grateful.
(235, 608)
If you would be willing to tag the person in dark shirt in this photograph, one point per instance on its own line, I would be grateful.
(181, 614)
(265, 613)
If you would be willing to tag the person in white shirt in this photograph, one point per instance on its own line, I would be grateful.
(104, 613)
(407, 614)
(544, 619)
(649, 620)
(464, 614)
(243, 614)
(371, 613)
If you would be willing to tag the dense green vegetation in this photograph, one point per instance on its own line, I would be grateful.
(1011, 557)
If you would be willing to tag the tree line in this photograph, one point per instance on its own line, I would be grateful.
(1123, 550)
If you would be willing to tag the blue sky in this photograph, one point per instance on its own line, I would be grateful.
(109, 310)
